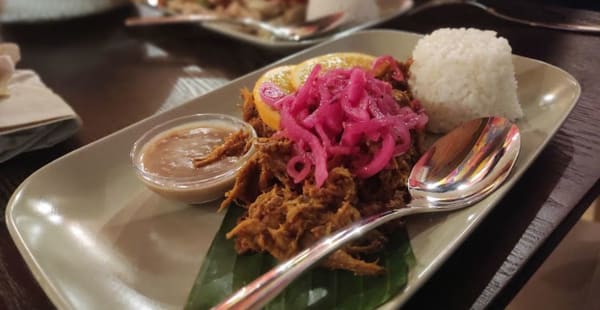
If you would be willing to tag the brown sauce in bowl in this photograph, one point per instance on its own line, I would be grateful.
(166, 157)
(171, 154)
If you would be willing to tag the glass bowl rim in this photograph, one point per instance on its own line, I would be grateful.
(193, 181)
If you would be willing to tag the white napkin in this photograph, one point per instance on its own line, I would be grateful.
(32, 116)
(355, 11)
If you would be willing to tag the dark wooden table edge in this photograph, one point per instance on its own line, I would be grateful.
(510, 289)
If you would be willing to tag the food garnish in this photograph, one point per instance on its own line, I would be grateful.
(346, 115)
(288, 79)
(330, 61)
(278, 80)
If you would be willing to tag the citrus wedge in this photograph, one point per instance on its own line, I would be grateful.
(290, 78)
(280, 77)
(327, 62)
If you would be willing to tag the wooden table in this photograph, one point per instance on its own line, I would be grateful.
(114, 76)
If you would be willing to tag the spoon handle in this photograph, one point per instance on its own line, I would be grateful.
(509, 13)
(260, 291)
(172, 19)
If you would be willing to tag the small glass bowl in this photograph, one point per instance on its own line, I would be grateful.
(195, 189)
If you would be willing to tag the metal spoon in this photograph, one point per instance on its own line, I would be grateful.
(507, 12)
(457, 171)
(299, 32)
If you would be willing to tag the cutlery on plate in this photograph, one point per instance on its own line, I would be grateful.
(539, 15)
(306, 30)
(458, 170)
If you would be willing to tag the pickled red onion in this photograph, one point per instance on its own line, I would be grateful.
(270, 94)
(390, 61)
(343, 112)
(299, 175)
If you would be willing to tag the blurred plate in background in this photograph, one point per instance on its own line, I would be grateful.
(28, 11)
(387, 9)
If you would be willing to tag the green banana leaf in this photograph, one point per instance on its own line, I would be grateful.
(224, 272)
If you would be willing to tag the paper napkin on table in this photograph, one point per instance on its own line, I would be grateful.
(32, 116)
(355, 11)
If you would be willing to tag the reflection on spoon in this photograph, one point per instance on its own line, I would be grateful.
(458, 170)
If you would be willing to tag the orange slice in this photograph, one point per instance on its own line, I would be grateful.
(280, 77)
(289, 78)
(327, 62)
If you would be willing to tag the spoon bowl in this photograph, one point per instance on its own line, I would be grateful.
(465, 165)
(458, 170)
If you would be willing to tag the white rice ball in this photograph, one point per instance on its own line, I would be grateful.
(463, 74)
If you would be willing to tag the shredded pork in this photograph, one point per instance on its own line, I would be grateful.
(236, 144)
(283, 217)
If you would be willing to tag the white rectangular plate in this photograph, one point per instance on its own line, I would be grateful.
(96, 238)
